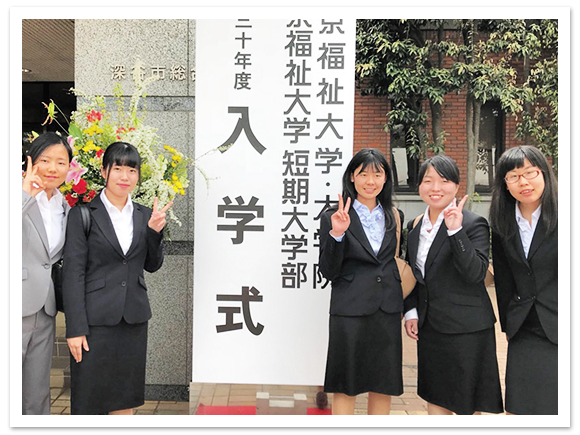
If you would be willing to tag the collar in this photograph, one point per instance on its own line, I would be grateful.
(361, 208)
(56, 197)
(427, 222)
(535, 215)
(128, 208)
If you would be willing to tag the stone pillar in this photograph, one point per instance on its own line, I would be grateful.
(165, 48)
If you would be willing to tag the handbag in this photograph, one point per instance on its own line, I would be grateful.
(408, 280)
(56, 272)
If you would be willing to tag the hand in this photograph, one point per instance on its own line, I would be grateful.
(412, 328)
(157, 219)
(340, 219)
(454, 214)
(76, 346)
(32, 183)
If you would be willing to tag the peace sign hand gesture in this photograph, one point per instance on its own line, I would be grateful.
(32, 183)
(454, 214)
(157, 219)
(340, 219)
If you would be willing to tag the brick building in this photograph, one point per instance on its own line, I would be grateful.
(370, 117)
(497, 131)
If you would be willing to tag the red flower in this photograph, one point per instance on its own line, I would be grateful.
(94, 116)
(89, 196)
(99, 153)
(80, 187)
(72, 200)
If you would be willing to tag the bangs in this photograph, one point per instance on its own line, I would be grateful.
(371, 160)
(445, 166)
(514, 158)
(375, 165)
(129, 159)
(121, 154)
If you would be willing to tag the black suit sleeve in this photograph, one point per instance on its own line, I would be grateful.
(503, 277)
(471, 249)
(410, 301)
(75, 256)
(154, 259)
(331, 252)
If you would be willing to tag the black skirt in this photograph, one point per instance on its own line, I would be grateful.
(459, 372)
(532, 371)
(365, 355)
(111, 375)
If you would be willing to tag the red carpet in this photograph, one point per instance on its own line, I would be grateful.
(246, 410)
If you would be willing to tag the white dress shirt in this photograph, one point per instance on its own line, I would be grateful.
(526, 230)
(122, 221)
(426, 237)
(52, 213)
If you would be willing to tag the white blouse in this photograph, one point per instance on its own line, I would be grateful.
(52, 213)
(526, 230)
(122, 221)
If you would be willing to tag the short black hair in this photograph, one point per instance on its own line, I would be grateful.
(444, 165)
(121, 154)
(44, 141)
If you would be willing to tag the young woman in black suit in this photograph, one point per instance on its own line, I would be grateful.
(524, 220)
(105, 296)
(357, 250)
(449, 311)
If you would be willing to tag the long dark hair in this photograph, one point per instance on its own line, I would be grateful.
(371, 157)
(121, 154)
(502, 210)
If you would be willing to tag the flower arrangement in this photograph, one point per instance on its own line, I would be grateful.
(93, 127)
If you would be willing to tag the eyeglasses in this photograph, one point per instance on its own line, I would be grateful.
(529, 175)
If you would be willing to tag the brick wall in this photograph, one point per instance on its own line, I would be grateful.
(370, 117)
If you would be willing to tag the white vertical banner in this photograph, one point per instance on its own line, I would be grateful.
(277, 98)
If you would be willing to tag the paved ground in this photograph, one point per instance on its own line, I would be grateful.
(241, 395)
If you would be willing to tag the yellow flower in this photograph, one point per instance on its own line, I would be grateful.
(174, 177)
(178, 184)
(182, 192)
(175, 189)
(173, 164)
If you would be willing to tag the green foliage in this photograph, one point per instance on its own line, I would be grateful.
(398, 59)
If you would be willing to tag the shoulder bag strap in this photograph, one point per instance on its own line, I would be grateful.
(86, 219)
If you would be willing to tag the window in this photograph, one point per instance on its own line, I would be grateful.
(491, 145)
(405, 168)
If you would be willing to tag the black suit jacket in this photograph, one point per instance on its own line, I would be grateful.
(521, 282)
(453, 293)
(101, 285)
(362, 282)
